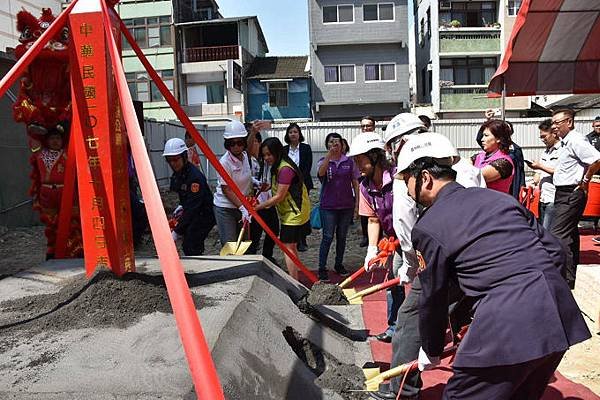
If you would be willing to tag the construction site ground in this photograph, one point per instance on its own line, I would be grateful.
(152, 345)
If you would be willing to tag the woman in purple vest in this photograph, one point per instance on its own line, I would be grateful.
(339, 179)
(496, 165)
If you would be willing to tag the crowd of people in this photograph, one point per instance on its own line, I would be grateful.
(465, 242)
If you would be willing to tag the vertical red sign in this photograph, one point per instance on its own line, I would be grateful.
(100, 144)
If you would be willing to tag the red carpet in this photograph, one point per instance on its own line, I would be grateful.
(374, 315)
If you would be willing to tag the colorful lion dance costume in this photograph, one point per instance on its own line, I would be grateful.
(44, 105)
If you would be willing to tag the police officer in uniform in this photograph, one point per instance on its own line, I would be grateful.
(525, 317)
(195, 198)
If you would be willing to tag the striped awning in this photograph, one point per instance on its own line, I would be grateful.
(554, 48)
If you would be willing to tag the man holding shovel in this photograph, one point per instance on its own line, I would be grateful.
(525, 317)
(197, 218)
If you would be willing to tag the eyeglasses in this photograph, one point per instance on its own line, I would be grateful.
(173, 159)
(560, 121)
(369, 126)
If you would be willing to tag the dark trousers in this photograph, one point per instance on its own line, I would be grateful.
(334, 223)
(364, 223)
(569, 204)
(269, 215)
(406, 341)
(525, 381)
(196, 233)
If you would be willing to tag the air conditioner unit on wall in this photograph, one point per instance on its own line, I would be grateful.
(445, 5)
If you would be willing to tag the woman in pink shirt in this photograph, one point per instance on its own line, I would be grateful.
(496, 165)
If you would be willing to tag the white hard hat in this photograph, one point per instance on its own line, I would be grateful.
(401, 125)
(234, 129)
(427, 144)
(364, 142)
(174, 147)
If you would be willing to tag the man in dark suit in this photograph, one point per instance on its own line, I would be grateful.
(301, 154)
(525, 315)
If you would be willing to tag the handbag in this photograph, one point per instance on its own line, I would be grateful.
(315, 218)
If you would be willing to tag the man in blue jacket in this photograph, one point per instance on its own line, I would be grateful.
(195, 198)
(525, 317)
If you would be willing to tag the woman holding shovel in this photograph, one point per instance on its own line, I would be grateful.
(229, 210)
(290, 197)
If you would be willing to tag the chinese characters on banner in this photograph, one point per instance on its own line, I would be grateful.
(101, 150)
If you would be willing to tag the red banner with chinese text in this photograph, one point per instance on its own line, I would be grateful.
(99, 135)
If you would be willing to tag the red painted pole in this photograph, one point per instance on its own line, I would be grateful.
(21, 65)
(210, 156)
(202, 368)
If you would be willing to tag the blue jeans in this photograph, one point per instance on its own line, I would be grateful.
(228, 223)
(334, 222)
(546, 214)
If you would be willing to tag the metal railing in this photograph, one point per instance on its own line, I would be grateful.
(216, 53)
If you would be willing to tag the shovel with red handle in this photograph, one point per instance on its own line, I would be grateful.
(386, 246)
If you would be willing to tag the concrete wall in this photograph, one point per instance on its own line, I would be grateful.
(360, 91)
(357, 43)
(258, 101)
(358, 31)
(15, 203)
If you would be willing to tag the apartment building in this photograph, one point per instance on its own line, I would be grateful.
(359, 58)
(459, 45)
(212, 58)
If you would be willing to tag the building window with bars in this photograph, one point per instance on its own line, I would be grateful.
(378, 12)
(468, 70)
(339, 74)
(149, 32)
(380, 72)
(142, 88)
(278, 94)
(472, 14)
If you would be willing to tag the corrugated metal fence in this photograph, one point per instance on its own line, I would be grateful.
(461, 132)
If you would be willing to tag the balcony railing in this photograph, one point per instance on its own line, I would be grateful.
(218, 53)
(469, 42)
(467, 97)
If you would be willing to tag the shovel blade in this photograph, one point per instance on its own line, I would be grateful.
(371, 379)
(242, 249)
(229, 249)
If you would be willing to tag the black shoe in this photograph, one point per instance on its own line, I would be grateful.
(384, 337)
(323, 275)
(302, 247)
(385, 392)
(596, 239)
(341, 271)
(364, 242)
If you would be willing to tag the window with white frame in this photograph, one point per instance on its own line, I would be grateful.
(342, 13)
(150, 31)
(380, 72)
(513, 7)
(278, 94)
(378, 12)
(142, 88)
(339, 73)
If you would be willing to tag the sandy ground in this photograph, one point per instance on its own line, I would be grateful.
(22, 248)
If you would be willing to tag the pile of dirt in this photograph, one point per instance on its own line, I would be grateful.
(345, 379)
(103, 301)
(322, 293)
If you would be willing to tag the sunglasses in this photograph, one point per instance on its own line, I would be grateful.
(237, 143)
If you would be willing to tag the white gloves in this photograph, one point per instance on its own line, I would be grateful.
(427, 362)
(245, 214)
(174, 235)
(178, 211)
(371, 253)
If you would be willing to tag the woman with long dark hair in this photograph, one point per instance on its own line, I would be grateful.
(301, 154)
(290, 197)
(494, 161)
